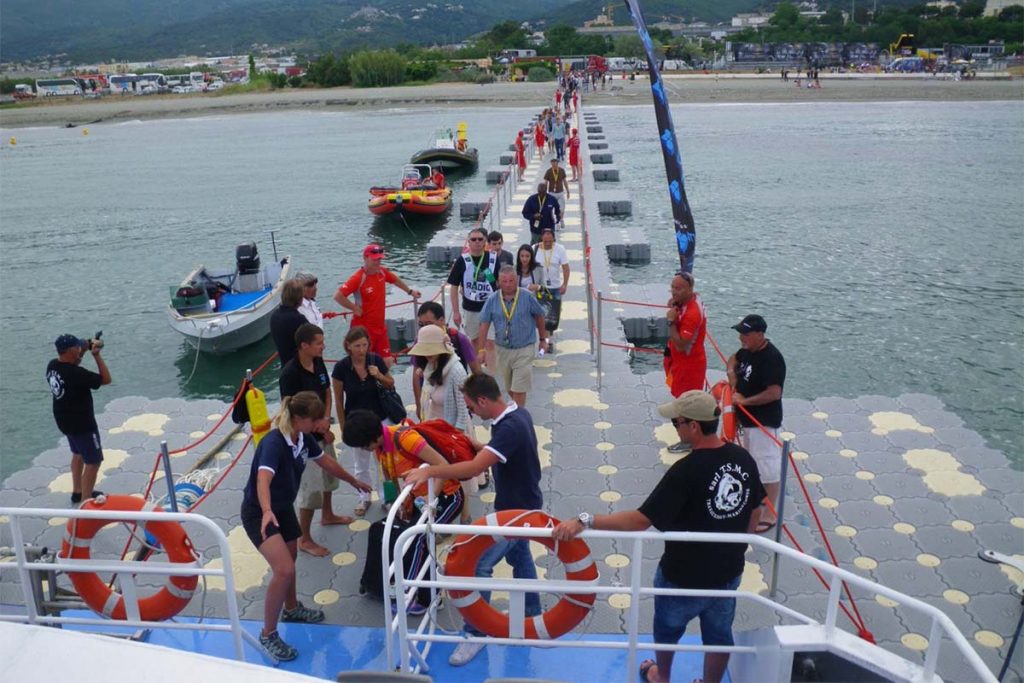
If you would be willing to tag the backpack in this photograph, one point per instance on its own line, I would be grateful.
(452, 444)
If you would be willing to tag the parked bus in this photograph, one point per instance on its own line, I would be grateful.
(196, 80)
(123, 84)
(57, 87)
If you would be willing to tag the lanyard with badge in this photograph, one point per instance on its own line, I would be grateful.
(508, 315)
(548, 253)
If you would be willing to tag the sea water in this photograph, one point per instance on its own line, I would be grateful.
(882, 241)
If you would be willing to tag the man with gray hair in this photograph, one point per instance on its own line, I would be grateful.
(519, 333)
(309, 308)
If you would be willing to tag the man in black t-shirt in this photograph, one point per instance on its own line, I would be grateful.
(757, 373)
(473, 274)
(72, 387)
(716, 488)
(307, 372)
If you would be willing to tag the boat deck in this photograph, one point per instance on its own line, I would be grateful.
(907, 494)
(234, 301)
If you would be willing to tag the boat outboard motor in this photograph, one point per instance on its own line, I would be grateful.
(247, 260)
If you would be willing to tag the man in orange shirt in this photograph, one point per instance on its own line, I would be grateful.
(368, 285)
(685, 363)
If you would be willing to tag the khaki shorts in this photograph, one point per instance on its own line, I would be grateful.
(515, 368)
(471, 325)
(316, 481)
(764, 451)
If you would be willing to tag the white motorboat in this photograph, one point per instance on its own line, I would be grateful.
(220, 310)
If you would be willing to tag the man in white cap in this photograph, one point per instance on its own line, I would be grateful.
(757, 373)
(714, 489)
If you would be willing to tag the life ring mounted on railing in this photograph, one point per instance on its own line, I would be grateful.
(103, 599)
(557, 621)
(722, 392)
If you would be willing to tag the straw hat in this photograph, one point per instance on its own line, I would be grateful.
(431, 341)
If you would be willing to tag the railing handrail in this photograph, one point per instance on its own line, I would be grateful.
(24, 567)
(939, 620)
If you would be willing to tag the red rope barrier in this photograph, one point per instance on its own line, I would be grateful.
(632, 303)
(863, 631)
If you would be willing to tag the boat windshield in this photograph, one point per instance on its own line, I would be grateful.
(444, 139)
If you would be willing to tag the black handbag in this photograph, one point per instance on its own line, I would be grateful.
(391, 402)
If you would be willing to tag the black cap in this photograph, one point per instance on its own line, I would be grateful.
(752, 323)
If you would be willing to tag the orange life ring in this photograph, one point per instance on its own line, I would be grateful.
(104, 600)
(723, 394)
(557, 621)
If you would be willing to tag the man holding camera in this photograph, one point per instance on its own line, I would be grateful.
(72, 387)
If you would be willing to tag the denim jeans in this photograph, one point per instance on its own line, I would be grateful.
(560, 148)
(517, 554)
(672, 613)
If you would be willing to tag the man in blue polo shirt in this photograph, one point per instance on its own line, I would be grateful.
(518, 322)
(512, 455)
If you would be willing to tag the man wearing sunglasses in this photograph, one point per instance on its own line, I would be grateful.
(309, 308)
(473, 274)
(714, 489)
(367, 287)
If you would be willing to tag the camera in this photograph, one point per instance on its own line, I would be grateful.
(96, 342)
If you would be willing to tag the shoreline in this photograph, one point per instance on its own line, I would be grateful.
(682, 89)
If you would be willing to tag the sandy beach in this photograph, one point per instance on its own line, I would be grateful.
(682, 89)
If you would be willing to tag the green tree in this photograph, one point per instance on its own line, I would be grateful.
(377, 69)
(329, 71)
(629, 46)
(833, 18)
(972, 9)
(786, 16)
(1013, 13)
(252, 66)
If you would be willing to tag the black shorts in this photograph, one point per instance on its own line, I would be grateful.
(88, 446)
(287, 524)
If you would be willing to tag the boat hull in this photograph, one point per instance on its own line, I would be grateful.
(447, 159)
(227, 331)
(412, 203)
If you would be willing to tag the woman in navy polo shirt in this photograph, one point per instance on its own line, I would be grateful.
(268, 510)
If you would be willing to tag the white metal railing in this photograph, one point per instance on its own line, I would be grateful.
(412, 658)
(126, 570)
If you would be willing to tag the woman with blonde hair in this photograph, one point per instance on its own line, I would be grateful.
(268, 511)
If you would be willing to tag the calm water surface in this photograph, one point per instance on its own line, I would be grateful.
(882, 241)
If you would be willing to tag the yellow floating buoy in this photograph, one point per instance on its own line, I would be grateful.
(85, 131)
(14, 140)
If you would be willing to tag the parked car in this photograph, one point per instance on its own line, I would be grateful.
(215, 85)
(181, 89)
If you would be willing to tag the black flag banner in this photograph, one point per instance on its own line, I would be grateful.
(686, 236)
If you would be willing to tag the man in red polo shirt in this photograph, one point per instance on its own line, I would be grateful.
(367, 287)
(685, 362)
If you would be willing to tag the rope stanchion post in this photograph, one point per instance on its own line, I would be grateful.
(165, 455)
(599, 372)
(787, 446)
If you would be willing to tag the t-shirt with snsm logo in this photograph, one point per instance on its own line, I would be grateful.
(711, 489)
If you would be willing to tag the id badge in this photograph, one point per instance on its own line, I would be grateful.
(508, 333)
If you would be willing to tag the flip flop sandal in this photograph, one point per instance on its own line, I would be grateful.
(645, 666)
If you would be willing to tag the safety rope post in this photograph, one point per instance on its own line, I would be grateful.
(599, 372)
(165, 455)
(787, 446)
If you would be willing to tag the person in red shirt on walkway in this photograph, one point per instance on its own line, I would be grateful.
(520, 155)
(574, 155)
(538, 132)
(368, 285)
(685, 362)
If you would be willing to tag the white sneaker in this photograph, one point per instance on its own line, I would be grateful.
(464, 653)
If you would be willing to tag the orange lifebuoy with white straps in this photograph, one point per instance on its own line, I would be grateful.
(557, 621)
(103, 599)
(723, 394)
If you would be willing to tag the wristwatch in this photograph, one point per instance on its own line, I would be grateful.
(586, 519)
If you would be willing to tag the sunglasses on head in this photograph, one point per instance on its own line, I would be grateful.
(311, 283)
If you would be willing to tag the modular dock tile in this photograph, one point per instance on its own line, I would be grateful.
(606, 451)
